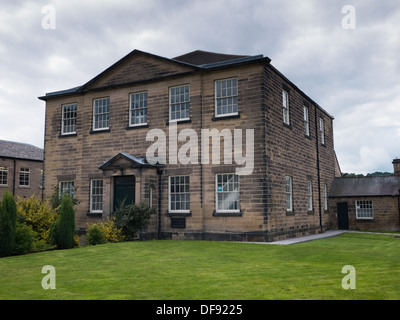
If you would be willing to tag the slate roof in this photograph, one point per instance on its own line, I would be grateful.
(200, 57)
(365, 186)
(198, 60)
(17, 150)
(134, 161)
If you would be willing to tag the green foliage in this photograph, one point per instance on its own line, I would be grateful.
(56, 198)
(25, 239)
(38, 215)
(8, 224)
(133, 218)
(63, 230)
(94, 235)
(104, 231)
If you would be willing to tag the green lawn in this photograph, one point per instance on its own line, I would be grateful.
(192, 270)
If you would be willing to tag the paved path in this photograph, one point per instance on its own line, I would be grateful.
(326, 234)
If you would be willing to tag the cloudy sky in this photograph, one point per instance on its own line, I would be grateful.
(352, 73)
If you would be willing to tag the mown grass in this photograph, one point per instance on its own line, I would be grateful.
(194, 270)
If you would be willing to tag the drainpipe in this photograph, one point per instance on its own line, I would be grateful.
(159, 172)
(15, 168)
(318, 169)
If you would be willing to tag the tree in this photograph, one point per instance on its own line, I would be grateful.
(8, 224)
(63, 230)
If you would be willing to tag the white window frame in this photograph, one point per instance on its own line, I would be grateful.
(309, 196)
(322, 130)
(96, 191)
(230, 96)
(70, 128)
(101, 114)
(138, 103)
(176, 100)
(219, 190)
(24, 173)
(306, 121)
(325, 197)
(4, 175)
(364, 209)
(285, 107)
(66, 187)
(289, 193)
(186, 192)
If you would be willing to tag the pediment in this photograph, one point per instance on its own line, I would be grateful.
(123, 161)
(137, 66)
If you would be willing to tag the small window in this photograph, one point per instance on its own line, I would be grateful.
(227, 193)
(101, 114)
(66, 187)
(226, 97)
(285, 103)
(289, 195)
(3, 176)
(96, 196)
(364, 209)
(179, 194)
(309, 196)
(325, 197)
(306, 122)
(322, 130)
(138, 109)
(69, 114)
(24, 174)
(179, 103)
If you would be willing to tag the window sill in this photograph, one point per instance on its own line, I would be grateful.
(138, 126)
(67, 135)
(310, 212)
(178, 214)
(290, 213)
(178, 121)
(95, 214)
(227, 214)
(99, 131)
(222, 117)
(287, 125)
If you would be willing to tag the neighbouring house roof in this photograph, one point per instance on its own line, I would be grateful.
(17, 150)
(365, 186)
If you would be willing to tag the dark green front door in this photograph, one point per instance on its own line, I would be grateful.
(124, 189)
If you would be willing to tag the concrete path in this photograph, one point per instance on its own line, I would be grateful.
(326, 234)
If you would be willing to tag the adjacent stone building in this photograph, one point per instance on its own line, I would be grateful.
(224, 147)
(367, 203)
(21, 168)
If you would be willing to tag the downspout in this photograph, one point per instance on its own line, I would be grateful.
(318, 169)
(15, 168)
(159, 172)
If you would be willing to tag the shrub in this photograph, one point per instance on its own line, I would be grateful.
(8, 224)
(95, 235)
(24, 239)
(107, 228)
(133, 218)
(38, 215)
(63, 230)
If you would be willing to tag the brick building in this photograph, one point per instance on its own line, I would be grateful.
(192, 114)
(21, 168)
(367, 203)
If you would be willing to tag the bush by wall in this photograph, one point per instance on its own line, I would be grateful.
(8, 224)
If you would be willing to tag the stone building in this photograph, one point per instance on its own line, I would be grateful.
(21, 168)
(224, 147)
(367, 203)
